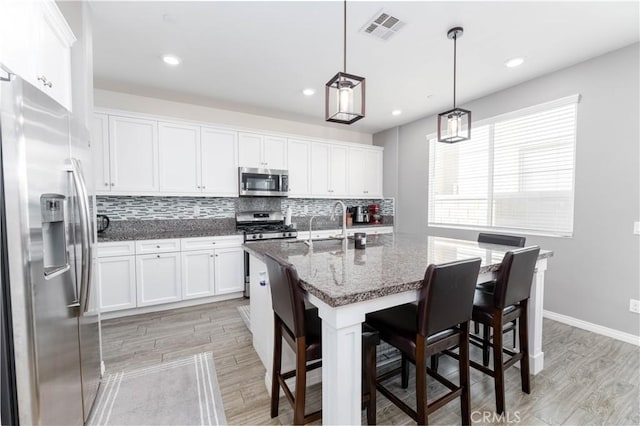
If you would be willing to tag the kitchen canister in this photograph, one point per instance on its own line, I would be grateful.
(360, 239)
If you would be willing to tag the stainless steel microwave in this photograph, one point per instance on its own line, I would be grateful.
(263, 182)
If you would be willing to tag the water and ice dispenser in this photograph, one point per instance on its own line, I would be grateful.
(54, 237)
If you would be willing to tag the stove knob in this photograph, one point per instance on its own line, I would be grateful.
(253, 237)
(260, 236)
(289, 234)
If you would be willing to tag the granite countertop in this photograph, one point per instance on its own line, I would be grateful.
(131, 230)
(337, 274)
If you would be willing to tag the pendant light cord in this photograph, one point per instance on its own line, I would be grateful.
(455, 42)
(345, 36)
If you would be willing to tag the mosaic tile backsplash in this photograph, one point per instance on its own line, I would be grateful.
(150, 208)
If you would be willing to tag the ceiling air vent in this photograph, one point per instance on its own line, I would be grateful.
(383, 25)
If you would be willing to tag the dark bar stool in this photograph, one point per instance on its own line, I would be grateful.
(302, 329)
(505, 240)
(439, 321)
(508, 302)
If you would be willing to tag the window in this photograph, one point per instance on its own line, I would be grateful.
(515, 174)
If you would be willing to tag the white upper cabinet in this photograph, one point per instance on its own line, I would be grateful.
(262, 152)
(365, 173)
(100, 151)
(250, 147)
(219, 158)
(179, 152)
(299, 153)
(35, 43)
(133, 155)
(329, 170)
(274, 152)
(338, 171)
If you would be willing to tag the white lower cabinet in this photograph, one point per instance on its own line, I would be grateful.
(229, 270)
(198, 277)
(158, 278)
(153, 272)
(117, 278)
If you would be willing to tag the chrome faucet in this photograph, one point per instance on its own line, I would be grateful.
(344, 219)
(309, 242)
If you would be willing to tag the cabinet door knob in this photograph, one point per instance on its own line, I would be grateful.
(216, 255)
(211, 255)
(198, 186)
(112, 184)
(158, 256)
(213, 242)
(157, 246)
(106, 184)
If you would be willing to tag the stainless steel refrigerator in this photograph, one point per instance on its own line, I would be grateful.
(50, 360)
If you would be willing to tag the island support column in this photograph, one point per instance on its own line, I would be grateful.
(536, 356)
(341, 363)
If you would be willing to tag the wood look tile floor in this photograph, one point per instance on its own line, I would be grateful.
(588, 378)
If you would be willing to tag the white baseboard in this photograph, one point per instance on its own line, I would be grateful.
(595, 328)
(168, 306)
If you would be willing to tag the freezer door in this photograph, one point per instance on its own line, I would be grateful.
(54, 289)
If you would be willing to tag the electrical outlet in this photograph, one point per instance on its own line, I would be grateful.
(634, 306)
(196, 210)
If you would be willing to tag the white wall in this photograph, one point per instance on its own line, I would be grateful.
(167, 108)
(592, 275)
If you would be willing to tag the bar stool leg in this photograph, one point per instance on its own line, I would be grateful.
(486, 344)
(498, 364)
(524, 347)
(277, 365)
(301, 381)
(404, 363)
(463, 365)
(421, 381)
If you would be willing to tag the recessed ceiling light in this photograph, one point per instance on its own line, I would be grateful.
(308, 92)
(513, 62)
(171, 60)
(396, 112)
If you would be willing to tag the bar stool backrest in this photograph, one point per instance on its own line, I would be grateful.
(446, 297)
(515, 276)
(286, 295)
(505, 240)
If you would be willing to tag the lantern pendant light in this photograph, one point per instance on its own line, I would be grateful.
(454, 125)
(345, 93)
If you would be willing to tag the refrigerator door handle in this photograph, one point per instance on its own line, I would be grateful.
(85, 226)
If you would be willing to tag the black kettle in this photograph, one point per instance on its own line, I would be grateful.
(102, 221)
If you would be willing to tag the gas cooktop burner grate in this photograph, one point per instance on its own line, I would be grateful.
(264, 226)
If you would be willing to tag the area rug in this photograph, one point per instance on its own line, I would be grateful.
(246, 316)
(184, 392)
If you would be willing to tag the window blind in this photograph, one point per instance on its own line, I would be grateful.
(515, 174)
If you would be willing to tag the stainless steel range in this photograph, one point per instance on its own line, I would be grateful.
(260, 226)
(264, 226)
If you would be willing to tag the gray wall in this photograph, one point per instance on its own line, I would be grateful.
(592, 275)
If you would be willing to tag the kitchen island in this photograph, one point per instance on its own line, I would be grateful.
(345, 284)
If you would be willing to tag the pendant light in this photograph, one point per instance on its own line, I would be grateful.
(454, 125)
(344, 93)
